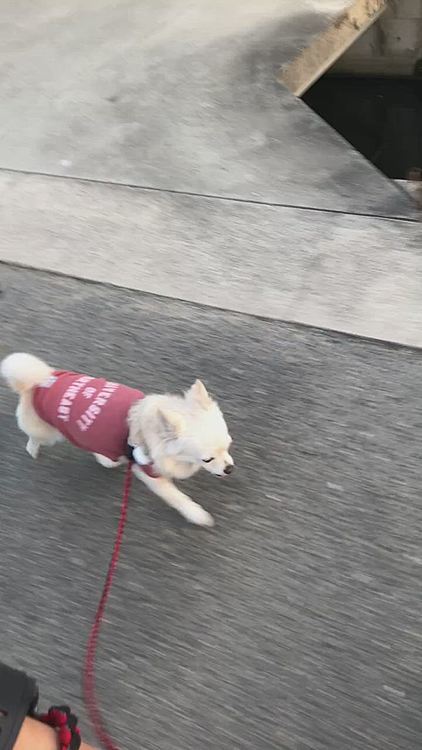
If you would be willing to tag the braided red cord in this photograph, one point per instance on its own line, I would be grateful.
(89, 668)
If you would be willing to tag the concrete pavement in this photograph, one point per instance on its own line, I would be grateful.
(178, 95)
(346, 272)
(241, 197)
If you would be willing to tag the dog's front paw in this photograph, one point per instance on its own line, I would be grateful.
(197, 515)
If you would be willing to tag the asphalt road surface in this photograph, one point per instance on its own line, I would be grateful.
(296, 621)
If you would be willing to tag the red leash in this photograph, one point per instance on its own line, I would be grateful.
(89, 668)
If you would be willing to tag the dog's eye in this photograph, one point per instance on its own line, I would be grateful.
(207, 460)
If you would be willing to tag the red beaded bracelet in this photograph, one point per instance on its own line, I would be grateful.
(66, 725)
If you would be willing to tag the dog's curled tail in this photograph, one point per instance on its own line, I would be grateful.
(24, 371)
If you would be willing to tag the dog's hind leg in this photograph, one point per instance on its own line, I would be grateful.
(107, 462)
(37, 431)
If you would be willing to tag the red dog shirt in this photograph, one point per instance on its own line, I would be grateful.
(90, 412)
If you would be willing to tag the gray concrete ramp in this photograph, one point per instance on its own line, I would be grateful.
(178, 96)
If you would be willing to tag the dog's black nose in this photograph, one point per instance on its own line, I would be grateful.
(228, 469)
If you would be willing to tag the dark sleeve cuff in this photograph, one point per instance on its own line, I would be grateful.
(18, 698)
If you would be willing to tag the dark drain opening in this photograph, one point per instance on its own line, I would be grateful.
(380, 117)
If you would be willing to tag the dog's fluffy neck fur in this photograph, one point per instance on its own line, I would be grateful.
(159, 424)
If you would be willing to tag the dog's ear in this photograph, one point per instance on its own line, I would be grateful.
(171, 422)
(198, 394)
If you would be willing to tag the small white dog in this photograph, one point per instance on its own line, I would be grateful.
(168, 437)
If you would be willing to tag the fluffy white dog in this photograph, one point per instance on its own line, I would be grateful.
(167, 436)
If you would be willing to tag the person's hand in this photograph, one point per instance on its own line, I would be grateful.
(35, 735)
